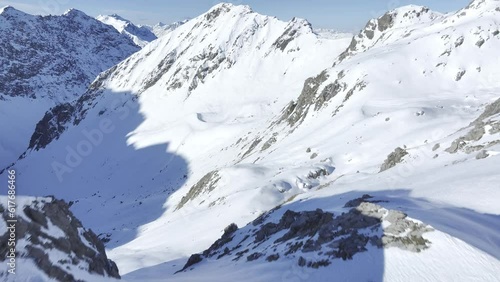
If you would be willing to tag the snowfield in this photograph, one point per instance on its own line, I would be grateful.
(372, 157)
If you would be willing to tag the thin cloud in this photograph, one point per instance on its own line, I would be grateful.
(49, 7)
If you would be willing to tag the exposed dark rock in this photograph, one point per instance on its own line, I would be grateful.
(226, 237)
(206, 184)
(254, 145)
(482, 155)
(323, 235)
(480, 42)
(393, 159)
(460, 74)
(455, 146)
(82, 246)
(356, 202)
(51, 126)
(59, 118)
(385, 22)
(298, 110)
(302, 261)
(490, 110)
(254, 256)
(273, 257)
(193, 259)
(269, 142)
(330, 91)
(162, 68)
(477, 130)
(290, 33)
(318, 173)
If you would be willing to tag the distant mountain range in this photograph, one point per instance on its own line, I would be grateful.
(142, 34)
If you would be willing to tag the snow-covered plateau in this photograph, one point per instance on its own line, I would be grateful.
(239, 147)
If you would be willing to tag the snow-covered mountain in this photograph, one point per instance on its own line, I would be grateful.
(45, 61)
(141, 35)
(239, 147)
(330, 33)
(160, 29)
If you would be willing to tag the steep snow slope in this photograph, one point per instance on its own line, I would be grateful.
(45, 61)
(209, 126)
(139, 34)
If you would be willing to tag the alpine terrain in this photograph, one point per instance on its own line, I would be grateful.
(47, 61)
(141, 35)
(239, 147)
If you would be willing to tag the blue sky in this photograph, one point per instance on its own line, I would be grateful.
(345, 15)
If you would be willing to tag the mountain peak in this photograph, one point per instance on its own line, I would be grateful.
(118, 17)
(396, 20)
(141, 35)
(405, 16)
(74, 13)
(224, 8)
(11, 11)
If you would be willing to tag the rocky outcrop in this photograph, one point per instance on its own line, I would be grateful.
(57, 119)
(378, 30)
(297, 110)
(55, 241)
(318, 234)
(470, 142)
(205, 185)
(393, 159)
(316, 95)
(295, 27)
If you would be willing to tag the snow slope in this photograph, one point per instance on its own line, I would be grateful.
(209, 126)
(139, 34)
(45, 61)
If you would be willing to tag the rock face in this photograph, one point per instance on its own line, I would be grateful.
(317, 93)
(393, 159)
(486, 124)
(378, 30)
(206, 184)
(319, 235)
(51, 237)
(57, 119)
